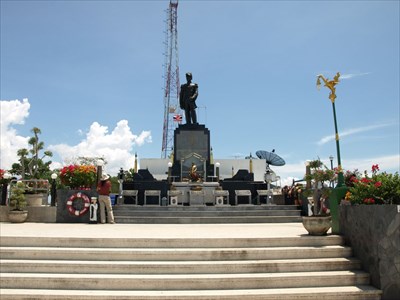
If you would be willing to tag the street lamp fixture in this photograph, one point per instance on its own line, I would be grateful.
(330, 84)
(53, 192)
(100, 164)
(217, 165)
(169, 171)
(6, 178)
(269, 177)
(121, 177)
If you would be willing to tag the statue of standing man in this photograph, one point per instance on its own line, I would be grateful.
(187, 99)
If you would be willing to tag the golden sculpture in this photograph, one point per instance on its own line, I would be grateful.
(330, 84)
(194, 176)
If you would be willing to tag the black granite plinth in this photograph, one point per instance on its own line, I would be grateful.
(63, 215)
(192, 145)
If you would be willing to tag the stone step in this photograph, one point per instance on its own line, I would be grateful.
(168, 242)
(183, 281)
(245, 207)
(313, 293)
(173, 254)
(206, 213)
(171, 262)
(178, 267)
(154, 214)
(204, 220)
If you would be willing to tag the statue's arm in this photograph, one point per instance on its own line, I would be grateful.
(196, 92)
(181, 100)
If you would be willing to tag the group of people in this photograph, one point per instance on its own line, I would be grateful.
(292, 194)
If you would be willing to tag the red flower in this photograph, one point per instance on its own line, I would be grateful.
(375, 168)
(369, 201)
(378, 184)
(365, 180)
(354, 179)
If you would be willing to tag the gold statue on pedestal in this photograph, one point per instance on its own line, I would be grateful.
(194, 176)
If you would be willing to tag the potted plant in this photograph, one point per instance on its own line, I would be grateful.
(35, 191)
(17, 213)
(320, 176)
(33, 169)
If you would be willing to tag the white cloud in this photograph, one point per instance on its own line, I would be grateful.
(351, 131)
(390, 163)
(12, 112)
(115, 147)
(349, 76)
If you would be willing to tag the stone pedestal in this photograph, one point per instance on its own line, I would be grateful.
(206, 190)
(192, 145)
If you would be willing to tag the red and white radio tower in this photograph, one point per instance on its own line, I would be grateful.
(172, 111)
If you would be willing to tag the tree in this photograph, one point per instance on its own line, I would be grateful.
(31, 164)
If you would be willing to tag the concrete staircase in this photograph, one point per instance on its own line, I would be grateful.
(303, 267)
(154, 214)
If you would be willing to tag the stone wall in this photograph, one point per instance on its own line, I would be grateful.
(38, 214)
(373, 232)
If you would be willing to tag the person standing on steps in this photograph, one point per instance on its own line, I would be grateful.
(104, 190)
(187, 99)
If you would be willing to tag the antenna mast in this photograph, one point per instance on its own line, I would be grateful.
(172, 111)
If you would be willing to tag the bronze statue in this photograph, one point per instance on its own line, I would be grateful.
(187, 99)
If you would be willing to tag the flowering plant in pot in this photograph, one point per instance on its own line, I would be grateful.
(78, 176)
(320, 177)
(377, 188)
(320, 222)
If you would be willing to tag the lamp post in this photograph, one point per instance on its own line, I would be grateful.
(6, 178)
(308, 173)
(251, 164)
(121, 176)
(331, 159)
(100, 164)
(53, 189)
(217, 165)
(169, 172)
(330, 84)
(270, 177)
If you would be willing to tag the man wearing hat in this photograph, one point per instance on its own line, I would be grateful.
(104, 190)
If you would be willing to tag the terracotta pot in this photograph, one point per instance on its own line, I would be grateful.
(317, 225)
(17, 216)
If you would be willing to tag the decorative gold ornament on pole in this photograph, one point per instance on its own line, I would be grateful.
(331, 85)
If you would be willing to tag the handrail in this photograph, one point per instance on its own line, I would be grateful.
(33, 185)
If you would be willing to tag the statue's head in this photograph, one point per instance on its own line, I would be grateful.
(189, 76)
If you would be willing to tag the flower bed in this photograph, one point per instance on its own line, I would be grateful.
(81, 177)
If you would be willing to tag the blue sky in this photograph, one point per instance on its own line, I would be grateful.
(92, 72)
